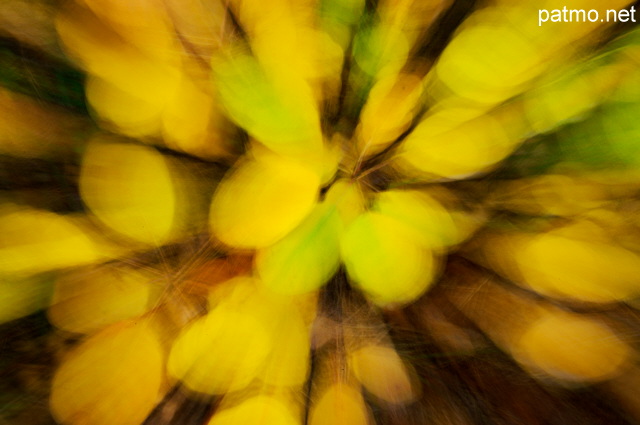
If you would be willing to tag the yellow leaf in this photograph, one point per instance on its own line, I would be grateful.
(122, 111)
(284, 319)
(258, 410)
(191, 122)
(220, 352)
(130, 188)
(88, 300)
(115, 377)
(571, 348)
(566, 267)
(431, 222)
(103, 53)
(22, 297)
(390, 108)
(330, 162)
(261, 201)
(383, 373)
(303, 53)
(447, 145)
(288, 362)
(340, 404)
(591, 271)
(468, 70)
(310, 55)
(34, 241)
(126, 87)
(522, 48)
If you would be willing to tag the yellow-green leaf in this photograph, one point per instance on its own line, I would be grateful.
(386, 260)
(283, 118)
(306, 258)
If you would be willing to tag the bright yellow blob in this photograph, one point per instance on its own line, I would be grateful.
(339, 404)
(382, 372)
(575, 262)
(259, 410)
(127, 88)
(35, 241)
(121, 111)
(23, 297)
(262, 200)
(288, 365)
(285, 320)
(585, 270)
(112, 378)
(130, 189)
(220, 352)
(484, 75)
(288, 362)
(445, 145)
(191, 122)
(390, 108)
(432, 223)
(571, 348)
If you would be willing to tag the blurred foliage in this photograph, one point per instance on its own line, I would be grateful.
(332, 211)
